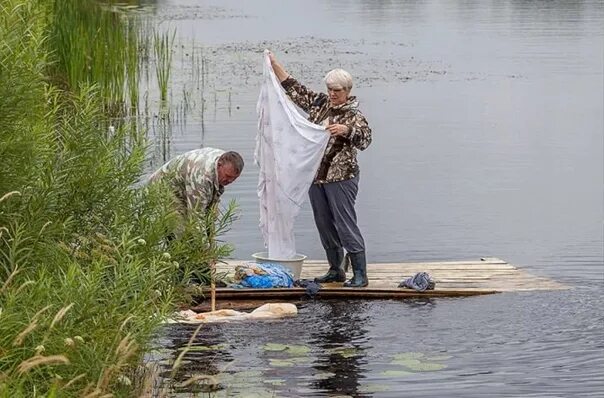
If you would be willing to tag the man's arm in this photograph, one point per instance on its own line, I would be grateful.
(199, 194)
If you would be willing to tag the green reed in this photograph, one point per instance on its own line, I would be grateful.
(94, 44)
(162, 50)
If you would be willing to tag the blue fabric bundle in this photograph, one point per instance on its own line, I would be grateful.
(419, 282)
(263, 276)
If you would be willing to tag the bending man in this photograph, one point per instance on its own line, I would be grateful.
(198, 177)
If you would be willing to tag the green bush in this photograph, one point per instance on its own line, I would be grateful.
(86, 273)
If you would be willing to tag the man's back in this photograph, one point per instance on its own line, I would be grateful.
(193, 178)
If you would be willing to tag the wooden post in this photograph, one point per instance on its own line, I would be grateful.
(213, 286)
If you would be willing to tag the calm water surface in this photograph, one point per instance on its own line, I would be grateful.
(488, 141)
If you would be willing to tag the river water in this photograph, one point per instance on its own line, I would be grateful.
(488, 141)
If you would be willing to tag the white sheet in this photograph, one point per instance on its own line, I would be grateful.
(289, 150)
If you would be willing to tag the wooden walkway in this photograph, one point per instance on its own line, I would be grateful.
(453, 279)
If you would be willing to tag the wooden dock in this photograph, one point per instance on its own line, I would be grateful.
(453, 279)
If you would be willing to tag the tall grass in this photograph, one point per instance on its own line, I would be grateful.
(162, 49)
(94, 44)
(86, 275)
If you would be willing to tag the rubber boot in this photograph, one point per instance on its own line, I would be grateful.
(335, 273)
(359, 269)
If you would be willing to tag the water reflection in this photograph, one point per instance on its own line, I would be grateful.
(341, 342)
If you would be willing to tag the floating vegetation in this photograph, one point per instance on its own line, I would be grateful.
(287, 362)
(317, 376)
(247, 374)
(204, 347)
(408, 355)
(396, 373)
(280, 363)
(373, 388)
(345, 352)
(274, 382)
(294, 350)
(439, 358)
(418, 362)
(419, 366)
(290, 355)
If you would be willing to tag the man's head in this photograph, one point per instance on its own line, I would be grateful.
(229, 167)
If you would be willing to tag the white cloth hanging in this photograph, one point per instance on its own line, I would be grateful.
(289, 150)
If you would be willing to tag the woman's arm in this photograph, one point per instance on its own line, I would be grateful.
(355, 129)
(360, 132)
(280, 71)
(297, 92)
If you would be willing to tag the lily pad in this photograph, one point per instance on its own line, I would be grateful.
(254, 392)
(373, 388)
(194, 348)
(298, 350)
(280, 363)
(428, 367)
(408, 355)
(300, 360)
(248, 374)
(317, 376)
(345, 352)
(419, 366)
(275, 382)
(439, 358)
(396, 373)
(295, 350)
(274, 347)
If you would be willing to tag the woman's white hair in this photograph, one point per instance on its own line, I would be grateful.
(338, 78)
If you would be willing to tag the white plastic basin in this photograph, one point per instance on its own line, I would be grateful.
(294, 265)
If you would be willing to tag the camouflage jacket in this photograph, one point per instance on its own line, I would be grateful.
(193, 178)
(340, 160)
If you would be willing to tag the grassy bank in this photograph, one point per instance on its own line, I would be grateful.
(85, 274)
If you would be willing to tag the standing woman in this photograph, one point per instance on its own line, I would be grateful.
(334, 191)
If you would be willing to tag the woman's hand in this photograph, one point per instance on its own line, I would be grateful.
(337, 129)
(277, 67)
(271, 57)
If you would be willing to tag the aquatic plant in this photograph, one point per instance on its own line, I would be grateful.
(88, 43)
(162, 49)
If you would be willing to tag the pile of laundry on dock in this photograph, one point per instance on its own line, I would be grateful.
(262, 276)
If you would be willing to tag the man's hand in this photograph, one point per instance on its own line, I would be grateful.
(337, 129)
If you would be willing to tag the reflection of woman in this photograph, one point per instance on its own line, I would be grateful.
(343, 342)
(333, 194)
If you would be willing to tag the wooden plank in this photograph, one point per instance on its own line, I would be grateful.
(297, 293)
(491, 260)
(394, 266)
(453, 279)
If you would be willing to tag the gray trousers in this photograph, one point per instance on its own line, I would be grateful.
(335, 217)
